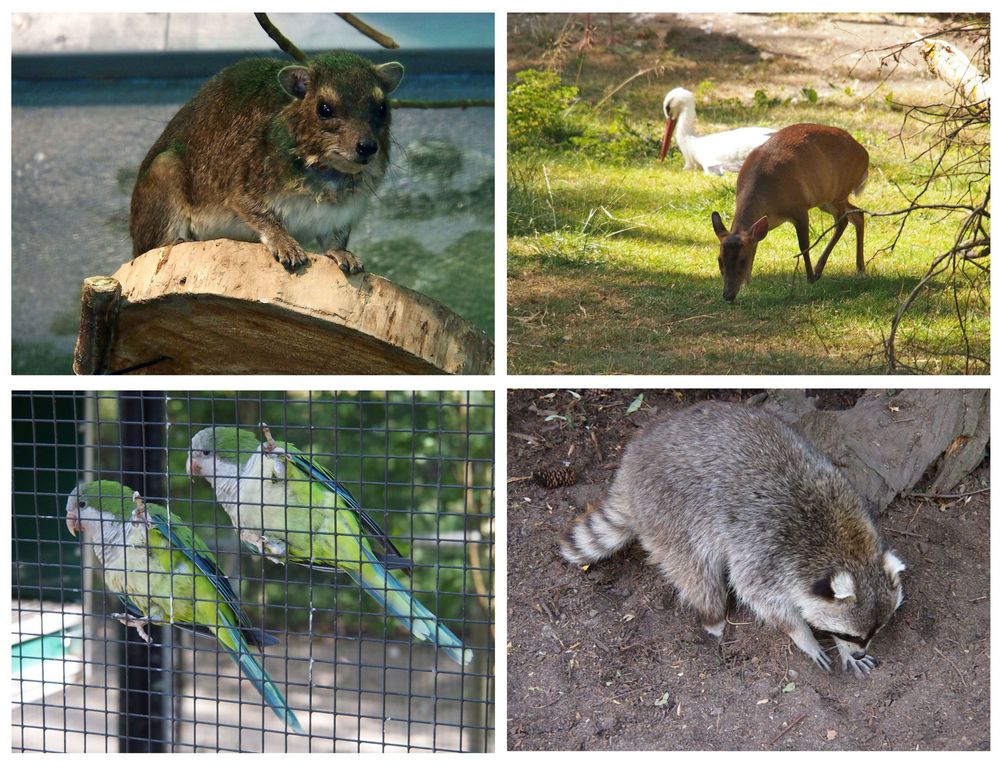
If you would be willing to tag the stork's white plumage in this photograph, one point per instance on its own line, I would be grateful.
(715, 153)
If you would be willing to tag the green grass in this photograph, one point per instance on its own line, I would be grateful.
(612, 266)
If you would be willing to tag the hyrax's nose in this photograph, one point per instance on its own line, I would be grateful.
(366, 148)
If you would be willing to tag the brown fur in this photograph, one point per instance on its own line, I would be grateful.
(271, 152)
(801, 167)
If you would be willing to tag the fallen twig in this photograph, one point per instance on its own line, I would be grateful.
(944, 496)
(795, 722)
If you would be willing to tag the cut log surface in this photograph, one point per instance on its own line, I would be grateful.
(224, 307)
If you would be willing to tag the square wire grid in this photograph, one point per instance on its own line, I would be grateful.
(420, 464)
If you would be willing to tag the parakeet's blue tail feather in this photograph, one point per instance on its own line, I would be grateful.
(396, 599)
(253, 670)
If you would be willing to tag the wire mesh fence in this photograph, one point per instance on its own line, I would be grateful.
(262, 571)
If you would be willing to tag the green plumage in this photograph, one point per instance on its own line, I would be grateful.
(166, 574)
(291, 508)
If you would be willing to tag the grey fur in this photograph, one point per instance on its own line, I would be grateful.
(722, 495)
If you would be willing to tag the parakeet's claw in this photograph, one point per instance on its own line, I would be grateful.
(139, 623)
(270, 446)
(139, 511)
(275, 551)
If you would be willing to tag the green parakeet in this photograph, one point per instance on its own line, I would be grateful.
(164, 574)
(289, 508)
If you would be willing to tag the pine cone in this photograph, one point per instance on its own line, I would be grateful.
(554, 477)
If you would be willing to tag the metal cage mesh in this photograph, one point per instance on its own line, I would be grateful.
(420, 464)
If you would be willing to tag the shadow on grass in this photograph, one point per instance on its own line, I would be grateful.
(695, 43)
(653, 321)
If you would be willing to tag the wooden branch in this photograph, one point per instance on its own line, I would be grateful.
(383, 40)
(440, 103)
(227, 307)
(98, 314)
(283, 42)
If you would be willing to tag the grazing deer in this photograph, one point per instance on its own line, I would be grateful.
(802, 166)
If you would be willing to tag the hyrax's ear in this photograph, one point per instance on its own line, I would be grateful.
(892, 565)
(839, 586)
(717, 225)
(389, 75)
(294, 80)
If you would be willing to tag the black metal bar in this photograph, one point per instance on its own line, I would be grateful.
(144, 723)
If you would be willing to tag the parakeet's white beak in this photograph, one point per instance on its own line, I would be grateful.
(73, 515)
(191, 466)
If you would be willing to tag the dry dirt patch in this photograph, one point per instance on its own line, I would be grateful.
(608, 659)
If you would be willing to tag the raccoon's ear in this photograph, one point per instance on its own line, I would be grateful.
(842, 584)
(838, 586)
(892, 565)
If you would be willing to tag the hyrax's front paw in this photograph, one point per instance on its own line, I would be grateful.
(287, 251)
(347, 261)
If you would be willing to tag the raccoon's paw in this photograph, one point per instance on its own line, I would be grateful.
(821, 658)
(715, 629)
(347, 261)
(860, 667)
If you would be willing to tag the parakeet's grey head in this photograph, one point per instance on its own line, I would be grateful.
(91, 504)
(220, 452)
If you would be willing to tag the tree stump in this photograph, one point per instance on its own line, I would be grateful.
(890, 440)
(226, 307)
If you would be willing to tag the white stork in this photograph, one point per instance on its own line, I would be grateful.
(715, 153)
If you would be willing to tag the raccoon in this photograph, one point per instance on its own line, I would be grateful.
(722, 495)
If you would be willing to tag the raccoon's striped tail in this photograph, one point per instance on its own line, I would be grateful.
(596, 534)
(397, 600)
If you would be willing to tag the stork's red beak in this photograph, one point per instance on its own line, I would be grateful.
(668, 131)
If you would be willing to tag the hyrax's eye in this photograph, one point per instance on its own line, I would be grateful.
(324, 110)
(383, 110)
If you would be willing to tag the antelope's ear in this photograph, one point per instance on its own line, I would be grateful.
(759, 229)
(720, 229)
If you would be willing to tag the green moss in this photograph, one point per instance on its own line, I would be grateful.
(342, 61)
(461, 277)
(39, 358)
(252, 80)
(434, 159)
(65, 323)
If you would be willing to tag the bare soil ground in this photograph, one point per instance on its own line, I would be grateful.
(738, 51)
(607, 659)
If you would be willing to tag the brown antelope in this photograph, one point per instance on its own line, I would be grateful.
(802, 166)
